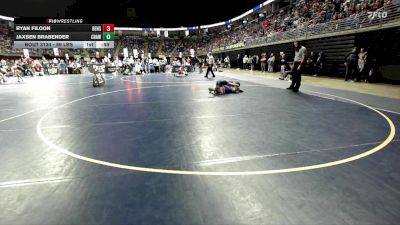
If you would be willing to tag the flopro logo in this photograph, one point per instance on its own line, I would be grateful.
(379, 15)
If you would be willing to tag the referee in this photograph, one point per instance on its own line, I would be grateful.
(211, 62)
(298, 64)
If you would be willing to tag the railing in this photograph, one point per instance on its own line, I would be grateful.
(385, 15)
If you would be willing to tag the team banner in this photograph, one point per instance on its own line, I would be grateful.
(111, 69)
(97, 68)
(237, 45)
(218, 49)
(101, 68)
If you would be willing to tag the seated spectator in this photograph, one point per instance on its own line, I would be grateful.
(62, 67)
(37, 68)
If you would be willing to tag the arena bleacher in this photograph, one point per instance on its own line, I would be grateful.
(264, 27)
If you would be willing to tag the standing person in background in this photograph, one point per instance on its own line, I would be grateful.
(319, 64)
(227, 62)
(45, 64)
(147, 62)
(283, 64)
(350, 62)
(211, 63)
(311, 61)
(257, 61)
(238, 61)
(271, 62)
(263, 61)
(298, 64)
(245, 61)
(362, 60)
(251, 62)
(200, 62)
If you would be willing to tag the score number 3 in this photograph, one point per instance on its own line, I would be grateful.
(108, 27)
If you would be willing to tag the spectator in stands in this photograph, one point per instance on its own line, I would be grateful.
(271, 63)
(298, 65)
(350, 62)
(263, 61)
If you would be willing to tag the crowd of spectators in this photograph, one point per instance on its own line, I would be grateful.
(153, 46)
(5, 40)
(298, 16)
(169, 45)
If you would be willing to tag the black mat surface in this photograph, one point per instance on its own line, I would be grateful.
(164, 122)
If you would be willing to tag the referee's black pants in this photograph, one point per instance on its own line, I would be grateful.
(209, 69)
(296, 77)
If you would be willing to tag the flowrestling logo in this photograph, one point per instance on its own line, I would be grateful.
(379, 15)
(63, 20)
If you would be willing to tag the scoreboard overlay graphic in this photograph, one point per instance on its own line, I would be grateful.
(62, 33)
